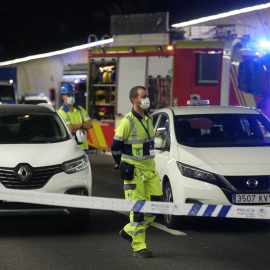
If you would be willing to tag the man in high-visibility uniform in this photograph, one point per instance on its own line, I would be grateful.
(74, 116)
(133, 149)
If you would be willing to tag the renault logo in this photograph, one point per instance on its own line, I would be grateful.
(252, 183)
(24, 173)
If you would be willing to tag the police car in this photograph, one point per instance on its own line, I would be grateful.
(212, 155)
(38, 153)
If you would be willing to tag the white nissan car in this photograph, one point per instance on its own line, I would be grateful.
(212, 155)
(39, 153)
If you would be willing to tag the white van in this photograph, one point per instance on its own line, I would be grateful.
(35, 99)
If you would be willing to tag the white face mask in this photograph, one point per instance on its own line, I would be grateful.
(145, 104)
(70, 100)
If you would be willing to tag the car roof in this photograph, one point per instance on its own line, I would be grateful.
(25, 108)
(187, 110)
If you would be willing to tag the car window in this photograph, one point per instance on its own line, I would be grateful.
(222, 130)
(163, 130)
(31, 128)
(155, 118)
(7, 92)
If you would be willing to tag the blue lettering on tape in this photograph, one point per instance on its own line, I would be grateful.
(224, 211)
(195, 209)
(209, 210)
(138, 206)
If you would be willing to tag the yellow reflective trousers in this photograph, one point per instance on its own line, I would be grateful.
(144, 185)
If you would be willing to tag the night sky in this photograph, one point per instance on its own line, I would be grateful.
(34, 26)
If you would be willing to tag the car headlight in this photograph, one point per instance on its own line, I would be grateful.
(75, 165)
(195, 173)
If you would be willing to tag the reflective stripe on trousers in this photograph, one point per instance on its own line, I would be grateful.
(139, 222)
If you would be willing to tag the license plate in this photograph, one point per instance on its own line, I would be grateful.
(251, 198)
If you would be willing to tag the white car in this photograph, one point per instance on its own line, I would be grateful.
(39, 153)
(35, 99)
(212, 155)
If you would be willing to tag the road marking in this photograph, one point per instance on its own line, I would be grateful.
(165, 229)
(160, 226)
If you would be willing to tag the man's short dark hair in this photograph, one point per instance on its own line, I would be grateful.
(134, 92)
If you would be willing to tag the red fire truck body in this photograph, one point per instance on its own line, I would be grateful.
(223, 70)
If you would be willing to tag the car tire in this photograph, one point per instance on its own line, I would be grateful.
(171, 221)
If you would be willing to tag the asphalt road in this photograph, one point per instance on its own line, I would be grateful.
(49, 243)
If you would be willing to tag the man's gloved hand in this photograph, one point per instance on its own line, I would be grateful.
(116, 167)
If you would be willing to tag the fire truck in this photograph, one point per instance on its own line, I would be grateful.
(217, 63)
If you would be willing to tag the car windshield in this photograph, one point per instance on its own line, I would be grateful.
(7, 92)
(222, 130)
(31, 128)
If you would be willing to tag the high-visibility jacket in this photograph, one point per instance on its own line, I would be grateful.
(78, 116)
(131, 141)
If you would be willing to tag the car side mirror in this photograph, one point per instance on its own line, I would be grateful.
(158, 143)
(79, 137)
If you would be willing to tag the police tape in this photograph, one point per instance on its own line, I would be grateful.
(100, 203)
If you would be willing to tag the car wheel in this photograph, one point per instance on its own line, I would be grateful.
(171, 221)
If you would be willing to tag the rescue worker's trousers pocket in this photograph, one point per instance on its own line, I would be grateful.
(127, 171)
(130, 186)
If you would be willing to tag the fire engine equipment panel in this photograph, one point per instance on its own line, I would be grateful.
(102, 89)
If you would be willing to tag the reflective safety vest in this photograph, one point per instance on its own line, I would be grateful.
(131, 140)
(78, 116)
